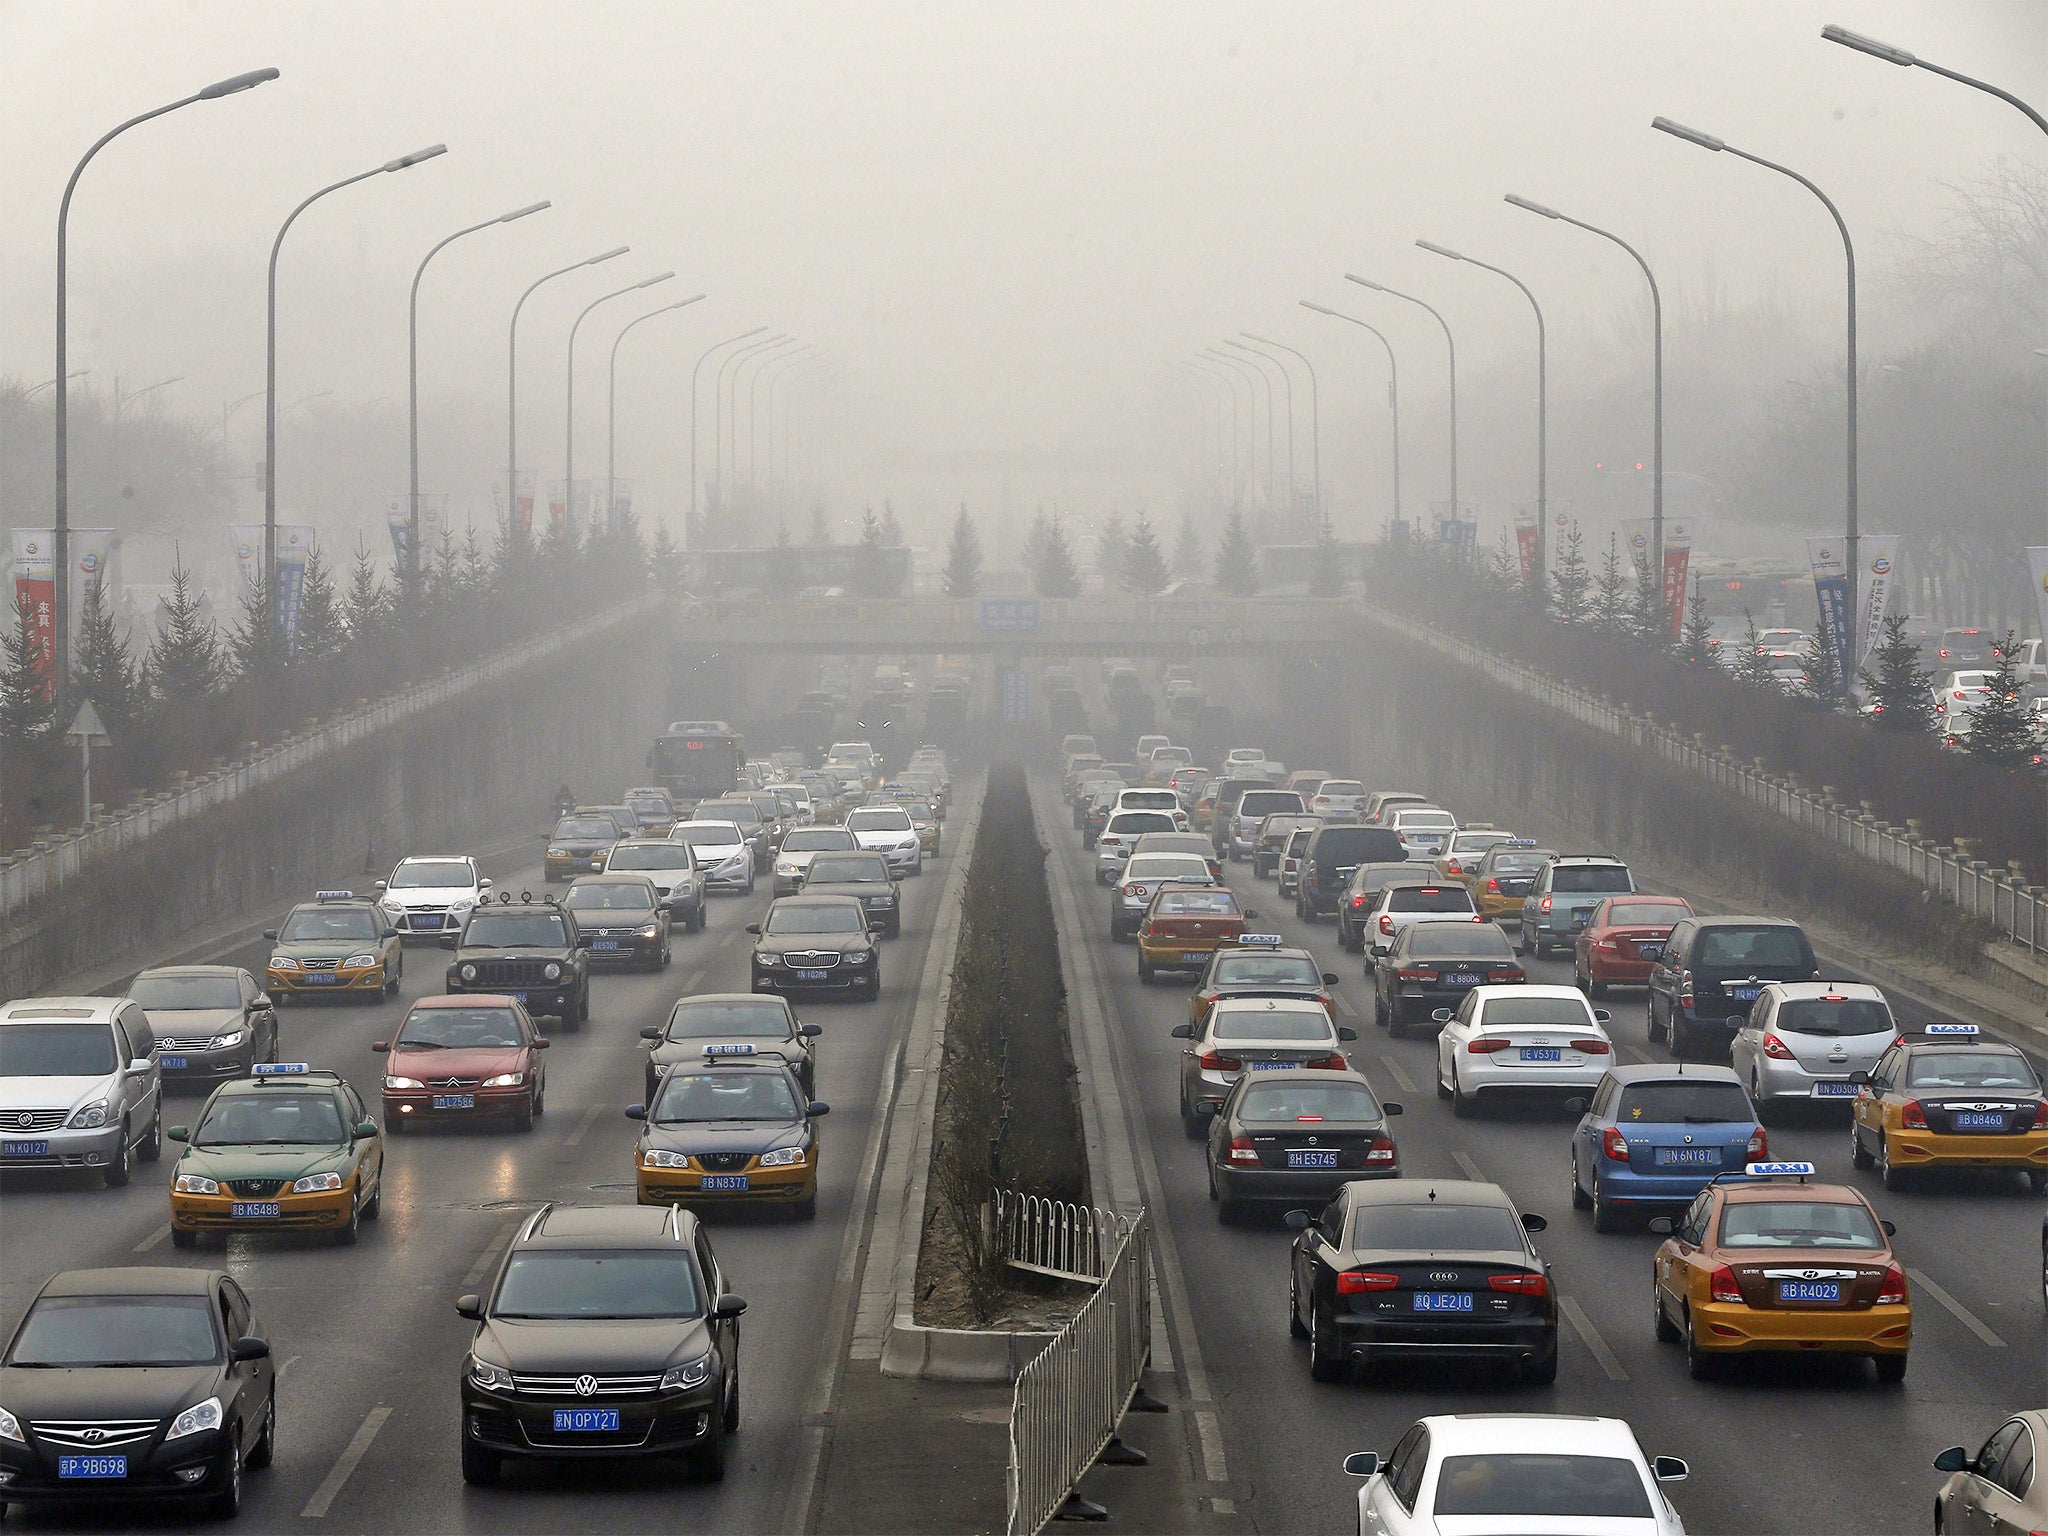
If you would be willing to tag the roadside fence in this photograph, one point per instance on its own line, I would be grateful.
(1053, 1237)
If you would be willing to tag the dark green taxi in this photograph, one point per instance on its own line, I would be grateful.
(337, 943)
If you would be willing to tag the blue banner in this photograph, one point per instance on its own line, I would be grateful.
(1831, 592)
(294, 544)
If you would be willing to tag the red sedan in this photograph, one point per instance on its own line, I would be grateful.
(1609, 949)
(462, 1057)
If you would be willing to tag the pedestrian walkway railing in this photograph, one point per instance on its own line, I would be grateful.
(1069, 1401)
(28, 874)
(1998, 896)
(1053, 1237)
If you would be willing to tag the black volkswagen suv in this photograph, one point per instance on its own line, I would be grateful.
(608, 1331)
(532, 952)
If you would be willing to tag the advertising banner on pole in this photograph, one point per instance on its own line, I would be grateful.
(1526, 529)
(519, 506)
(1677, 558)
(1831, 592)
(397, 513)
(93, 552)
(2037, 569)
(399, 519)
(558, 507)
(246, 540)
(1880, 555)
(1635, 537)
(621, 501)
(35, 590)
(294, 544)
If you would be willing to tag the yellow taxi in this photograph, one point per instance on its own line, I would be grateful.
(1185, 924)
(1950, 1100)
(1763, 1262)
(1464, 850)
(337, 943)
(731, 1127)
(1506, 873)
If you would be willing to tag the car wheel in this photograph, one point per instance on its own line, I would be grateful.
(183, 1239)
(1858, 1158)
(698, 918)
(1652, 1027)
(479, 1466)
(1443, 1090)
(1379, 1011)
(732, 1400)
(1891, 1369)
(895, 928)
(1894, 1178)
(1522, 940)
(807, 1208)
(1461, 1106)
(1295, 1330)
(1345, 940)
(2037, 1180)
(374, 1206)
(1665, 1330)
(1702, 1365)
(707, 1462)
(226, 1502)
(1397, 1020)
(345, 1235)
(1190, 1122)
(153, 1148)
(265, 1449)
(875, 984)
(522, 1118)
(1605, 1217)
(1144, 973)
(1581, 1201)
(120, 1169)
(1325, 1359)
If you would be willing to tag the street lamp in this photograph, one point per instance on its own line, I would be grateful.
(611, 407)
(403, 162)
(702, 358)
(1542, 404)
(1287, 383)
(569, 435)
(1657, 371)
(60, 532)
(512, 381)
(1720, 146)
(784, 383)
(1208, 396)
(724, 387)
(1393, 388)
(763, 360)
(1254, 380)
(1240, 451)
(36, 389)
(1315, 417)
(412, 389)
(770, 370)
(121, 400)
(1891, 55)
(1456, 514)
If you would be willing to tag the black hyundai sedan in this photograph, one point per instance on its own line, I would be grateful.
(136, 1385)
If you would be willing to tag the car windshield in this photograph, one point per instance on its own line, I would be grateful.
(412, 874)
(1350, 788)
(1520, 863)
(764, 1020)
(1457, 941)
(1126, 822)
(806, 919)
(117, 1330)
(1196, 904)
(1644, 914)
(1167, 866)
(649, 856)
(1274, 827)
(687, 1098)
(1440, 1227)
(516, 930)
(1271, 1024)
(877, 819)
(1684, 1103)
(56, 1050)
(1429, 898)
(267, 1118)
(1425, 821)
(649, 804)
(1307, 1101)
(1377, 877)
(1974, 1068)
(1830, 1016)
(1264, 802)
(567, 1284)
(460, 1028)
(609, 896)
(1476, 842)
(1744, 948)
(1581, 879)
(583, 829)
(1798, 1224)
(1255, 970)
(312, 925)
(1523, 1483)
(863, 869)
(170, 994)
(744, 812)
(708, 835)
(815, 839)
(1568, 1012)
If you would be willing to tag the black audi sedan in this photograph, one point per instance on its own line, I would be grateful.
(1298, 1136)
(1421, 1268)
(816, 944)
(608, 1332)
(136, 1385)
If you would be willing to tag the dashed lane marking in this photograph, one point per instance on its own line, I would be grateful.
(1211, 1433)
(583, 1126)
(1963, 1314)
(1589, 1336)
(1344, 1005)
(692, 981)
(154, 1238)
(338, 1476)
(1399, 1075)
(1469, 1168)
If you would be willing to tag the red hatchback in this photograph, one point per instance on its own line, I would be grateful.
(461, 1057)
(1609, 951)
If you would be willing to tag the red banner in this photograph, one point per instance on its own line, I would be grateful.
(1527, 530)
(1677, 558)
(35, 589)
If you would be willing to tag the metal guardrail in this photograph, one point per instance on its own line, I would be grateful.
(31, 873)
(1999, 897)
(1069, 1400)
(1053, 1237)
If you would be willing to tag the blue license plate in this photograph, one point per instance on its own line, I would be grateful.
(255, 1208)
(1443, 1301)
(1834, 1090)
(426, 925)
(586, 1421)
(455, 1101)
(1743, 994)
(517, 997)
(1688, 1157)
(1541, 1053)
(1269, 1066)
(1311, 1159)
(1968, 1120)
(320, 978)
(810, 975)
(171, 1063)
(1463, 979)
(92, 1466)
(725, 1181)
(604, 944)
(24, 1149)
(1809, 1290)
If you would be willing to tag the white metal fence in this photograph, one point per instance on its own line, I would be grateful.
(1053, 1237)
(1068, 1402)
(1998, 896)
(28, 874)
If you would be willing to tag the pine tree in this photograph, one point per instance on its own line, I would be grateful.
(1570, 581)
(476, 569)
(1750, 666)
(322, 634)
(962, 574)
(1823, 685)
(367, 606)
(184, 663)
(255, 648)
(870, 573)
(1112, 550)
(1144, 570)
(1327, 578)
(102, 667)
(444, 577)
(1647, 619)
(1237, 559)
(1696, 644)
(1053, 571)
(785, 573)
(1610, 608)
(2000, 730)
(1187, 550)
(666, 562)
(27, 710)
(892, 531)
(1899, 687)
(821, 530)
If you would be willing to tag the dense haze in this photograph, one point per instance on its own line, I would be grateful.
(1000, 223)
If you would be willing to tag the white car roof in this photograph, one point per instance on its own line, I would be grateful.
(1456, 1434)
(1268, 1004)
(730, 826)
(1165, 861)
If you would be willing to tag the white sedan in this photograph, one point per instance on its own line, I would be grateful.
(1509, 1474)
(1520, 1041)
(887, 830)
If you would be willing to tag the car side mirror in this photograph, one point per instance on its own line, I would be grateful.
(814, 1109)
(1670, 1469)
(390, 933)
(246, 1349)
(485, 884)
(1602, 1016)
(382, 885)
(1737, 1021)
(1362, 1463)
(270, 934)
(1663, 1226)
(651, 1032)
(1889, 1229)
(729, 1306)
(1330, 978)
(636, 1111)
(1954, 1459)
(1650, 951)
(1250, 913)
(380, 1046)
(582, 941)
(471, 1307)
(264, 1000)
(450, 941)
(754, 928)
(1183, 1031)
(1390, 1109)
(1860, 1078)
(139, 1064)
(1441, 1015)
(1346, 1032)
(365, 1129)
(1299, 1221)
(810, 1031)
(1531, 1222)
(1576, 1106)
(179, 1133)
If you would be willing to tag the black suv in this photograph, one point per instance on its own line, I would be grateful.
(608, 1331)
(1330, 857)
(1709, 973)
(531, 951)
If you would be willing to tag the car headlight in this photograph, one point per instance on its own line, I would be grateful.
(505, 1080)
(787, 1157)
(195, 1184)
(283, 963)
(10, 1428)
(355, 962)
(403, 1082)
(316, 1183)
(655, 1158)
(195, 1420)
(691, 1373)
(786, 867)
(552, 971)
(733, 860)
(650, 930)
(222, 1042)
(494, 1378)
(90, 1118)
(557, 853)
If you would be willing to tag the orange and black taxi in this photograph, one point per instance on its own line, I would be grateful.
(338, 942)
(732, 1126)
(287, 1149)
(1185, 924)
(1764, 1262)
(1259, 965)
(1946, 1099)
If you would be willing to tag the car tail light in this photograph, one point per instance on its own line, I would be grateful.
(1912, 1116)
(1592, 1047)
(1477, 918)
(1776, 1048)
(1454, 868)
(1614, 1145)
(1759, 1145)
(1212, 1062)
(1891, 1291)
(1415, 973)
(1520, 1284)
(1386, 923)
(1334, 1062)
(1544, 904)
(1482, 1046)
(1381, 1150)
(1721, 1285)
(1607, 944)
(1685, 989)
(1507, 973)
(1943, 653)
(1357, 902)
(1356, 1282)
(1242, 1150)
(1492, 886)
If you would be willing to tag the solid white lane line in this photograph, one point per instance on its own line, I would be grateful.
(1395, 1071)
(694, 980)
(1468, 1167)
(1589, 1336)
(489, 1256)
(1344, 1005)
(154, 1238)
(339, 1474)
(1211, 1433)
(589, 1119)
(1963, 1314)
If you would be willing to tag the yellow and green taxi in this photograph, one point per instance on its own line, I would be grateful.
(731, 1126)
(338, 942)
(1766, 1263)
(1946, 1099)
(287, 1150)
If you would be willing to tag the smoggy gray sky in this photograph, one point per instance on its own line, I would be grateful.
(999, 220)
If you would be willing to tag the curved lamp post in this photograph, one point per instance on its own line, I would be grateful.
(690, 522)
(1393, 387)
(512, 377)
(1452, 346)
(1900, 56)
(1315, 419)
(611, 406)
(569, 437)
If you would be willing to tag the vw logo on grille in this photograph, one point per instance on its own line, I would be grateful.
(586, 1385)
(92, 1436)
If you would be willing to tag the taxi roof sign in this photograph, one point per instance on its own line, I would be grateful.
(1519, 842)
(334, 895)
(1258, 938)
(1778, 1170)
(729, 1050)
(280, 1069)
(1951, 1031)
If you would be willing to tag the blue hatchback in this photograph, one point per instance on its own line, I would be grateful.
(1655, 1135)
